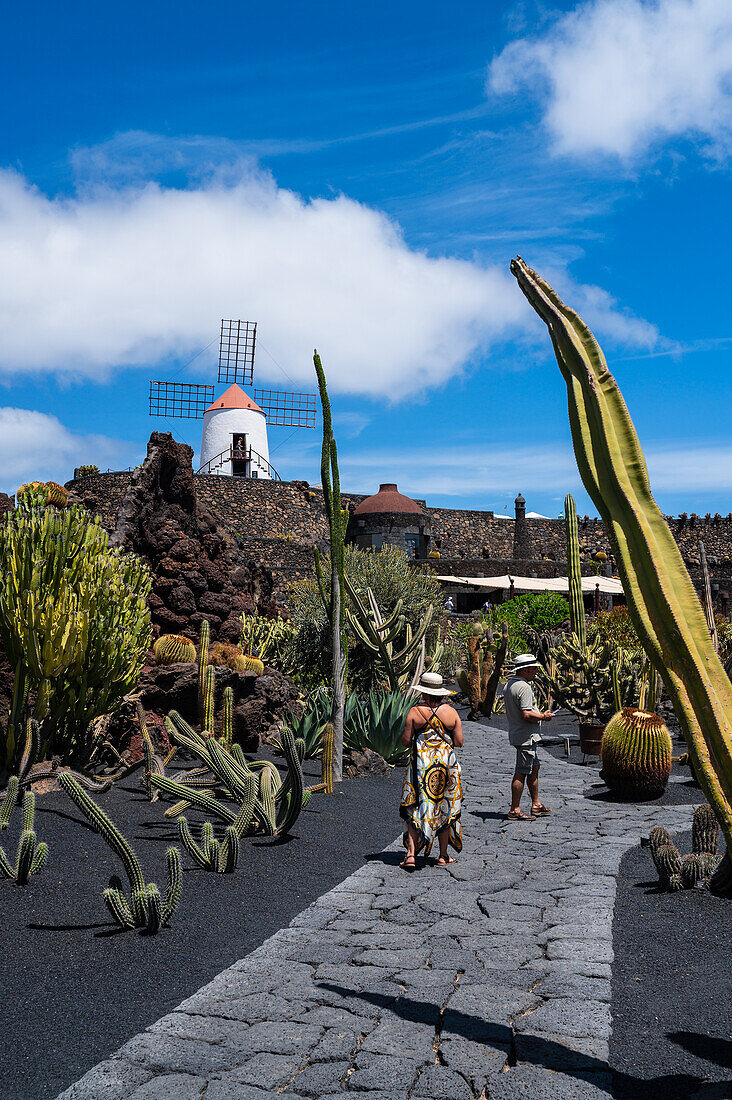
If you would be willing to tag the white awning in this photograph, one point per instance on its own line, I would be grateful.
(610, 586)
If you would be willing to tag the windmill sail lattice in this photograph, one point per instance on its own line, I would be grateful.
(234, 439)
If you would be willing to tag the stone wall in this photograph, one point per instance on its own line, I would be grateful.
(280, 521)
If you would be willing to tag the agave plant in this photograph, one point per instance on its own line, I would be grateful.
(377, 723)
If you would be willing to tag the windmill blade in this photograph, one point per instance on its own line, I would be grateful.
(292, 410)
(236, 351)
(179, 399)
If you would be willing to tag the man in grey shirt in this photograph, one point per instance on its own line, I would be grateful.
(524, 734)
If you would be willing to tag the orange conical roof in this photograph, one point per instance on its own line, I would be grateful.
(234, 398)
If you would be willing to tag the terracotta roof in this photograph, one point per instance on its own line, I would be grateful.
(388, 499)
(233, 398)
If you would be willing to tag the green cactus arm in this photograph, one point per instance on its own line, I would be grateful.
(7, 870)
(39, 858)
(154, 909)
(228, 722)
(106, 828)
(117, 905)
(26, 853)
(8, 805)
(229, 855)
(208, 700)
(291, 810)
(175, 884)
(186, 838)
(193, 797)
(203, 644)
(662, 600)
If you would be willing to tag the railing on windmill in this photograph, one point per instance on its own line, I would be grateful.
(247, 455)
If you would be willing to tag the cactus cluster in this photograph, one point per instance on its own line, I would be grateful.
(589, 679)
(277, 802)
(31, 855)
(74, 624)
(145, 908)
(636, 754)
(402, 664)
(224, 655)
(267, 639)
(170, 649)
(486, 657)
(695, 869)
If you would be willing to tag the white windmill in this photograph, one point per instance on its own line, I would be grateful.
(234, 438)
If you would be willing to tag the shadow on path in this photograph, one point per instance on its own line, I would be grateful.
(544, 1052)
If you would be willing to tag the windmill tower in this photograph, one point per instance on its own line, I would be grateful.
(234, 440)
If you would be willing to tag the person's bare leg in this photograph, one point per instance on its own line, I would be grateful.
(533, 784)
(411, 845)
(444, 839)
(517, 789)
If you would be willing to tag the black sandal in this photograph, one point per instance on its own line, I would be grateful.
(409, 866)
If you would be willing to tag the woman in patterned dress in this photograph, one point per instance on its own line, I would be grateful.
(432, 791)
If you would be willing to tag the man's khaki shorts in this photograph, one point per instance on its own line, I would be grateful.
(527, 758)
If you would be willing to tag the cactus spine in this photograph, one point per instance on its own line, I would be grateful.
(574, 568)
(662, 600)
(202, 666)
(169, 649)
(636, 754)
(145, 909)
(704, 831)
(31, 855)
(252, 664)
(693, 871)
(326, 758)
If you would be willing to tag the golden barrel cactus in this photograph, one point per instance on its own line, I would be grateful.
(171, 648)
(636, 754)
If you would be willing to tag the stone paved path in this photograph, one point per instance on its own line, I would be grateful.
(488, 979)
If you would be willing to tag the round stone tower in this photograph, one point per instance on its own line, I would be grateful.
(234, 439)
(388, 518)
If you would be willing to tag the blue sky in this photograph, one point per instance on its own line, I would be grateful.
(356, 177)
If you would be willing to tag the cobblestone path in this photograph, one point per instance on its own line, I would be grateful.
(489, 979)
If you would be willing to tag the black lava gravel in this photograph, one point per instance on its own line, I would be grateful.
(74, 989)
(672, 981)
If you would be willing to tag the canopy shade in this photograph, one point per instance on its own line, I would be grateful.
(610, 586)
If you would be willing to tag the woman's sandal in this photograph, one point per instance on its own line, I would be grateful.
(540, 810)
(445, 862)
(409, 863)
(518, 815)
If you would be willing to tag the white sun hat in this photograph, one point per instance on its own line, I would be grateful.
(432, 684)
(525, 660)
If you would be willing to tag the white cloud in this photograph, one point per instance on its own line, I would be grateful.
(37, 447)
(617, 76)
(138, 273)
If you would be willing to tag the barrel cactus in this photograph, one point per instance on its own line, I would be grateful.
(693, 871)
(668, 865)
(223, 655)
(636, 754)
(252, 664)
(705, 831)
(170, 649)
(57, 495)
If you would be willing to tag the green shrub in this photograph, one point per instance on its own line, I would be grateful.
(87, 471)
(528, 612)
(391, 576)
(615, 626)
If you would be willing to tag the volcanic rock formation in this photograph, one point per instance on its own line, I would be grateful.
(192, 558)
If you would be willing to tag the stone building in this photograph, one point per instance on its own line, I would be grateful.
(388, 518)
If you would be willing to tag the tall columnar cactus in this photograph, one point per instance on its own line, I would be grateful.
(169, 649)
(326, 758)
(403, 665)
(227, 726)
(704, 831)
(208, 700)
(31, 855)
(145, 908)
(335, 599)
(574, 568)
(662, 600)
(636, 754)
(203, 643)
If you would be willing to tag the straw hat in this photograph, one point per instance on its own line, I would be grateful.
(525, 660)
(432, 684)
